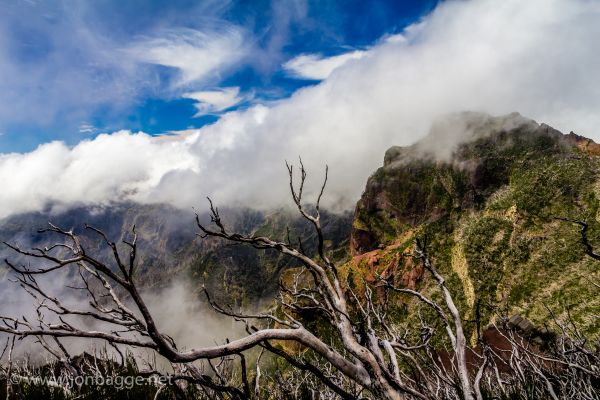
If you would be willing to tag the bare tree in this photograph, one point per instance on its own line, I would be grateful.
(363, 354)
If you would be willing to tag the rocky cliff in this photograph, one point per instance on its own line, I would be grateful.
(488, 195)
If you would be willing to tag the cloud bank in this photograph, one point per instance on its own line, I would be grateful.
(540, 57)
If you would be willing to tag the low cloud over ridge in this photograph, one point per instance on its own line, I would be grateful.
(540, 58)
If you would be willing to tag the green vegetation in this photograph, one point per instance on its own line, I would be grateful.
(490, 215)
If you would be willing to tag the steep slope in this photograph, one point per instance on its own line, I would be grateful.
(487, 194)
(170, 250)
(242, 274)
(166, 233)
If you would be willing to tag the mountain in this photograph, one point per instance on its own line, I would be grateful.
(169, 249)
(490, 196)
(498, 204)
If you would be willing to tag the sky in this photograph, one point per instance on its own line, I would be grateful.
(108, 101)
(73, 69)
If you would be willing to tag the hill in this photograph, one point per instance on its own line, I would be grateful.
(169, 248)
(489, 195)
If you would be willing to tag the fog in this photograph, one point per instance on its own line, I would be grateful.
(176, 309)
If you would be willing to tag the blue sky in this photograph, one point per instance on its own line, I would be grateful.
(70, 70)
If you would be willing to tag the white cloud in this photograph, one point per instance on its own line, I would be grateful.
(212, 101)
(62, 70)
(86, 128)
(196, 54)
(108, 168)
(540, 57)
(314, 66)
(76, 63)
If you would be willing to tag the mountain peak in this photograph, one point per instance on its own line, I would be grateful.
(450, 131)
(488, 194)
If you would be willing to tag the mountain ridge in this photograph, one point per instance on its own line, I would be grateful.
(491, 213)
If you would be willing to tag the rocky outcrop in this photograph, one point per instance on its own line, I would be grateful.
(423, 182)
(486, 194)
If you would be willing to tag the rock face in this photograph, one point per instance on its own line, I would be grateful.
(458, 166)
(486, 194)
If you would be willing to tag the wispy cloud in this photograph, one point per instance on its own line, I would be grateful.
(317, 67)
(200, 59)
(55, 66)
(73, 63)
(197, 55)
(87, 128)
(214, 101)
